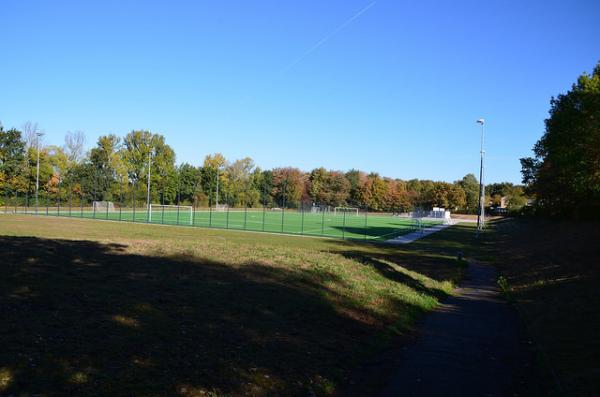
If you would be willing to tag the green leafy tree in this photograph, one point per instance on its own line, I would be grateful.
(317, 180)
(12, 152)
(564, 174)
(137, 147)
(12, 162)
(356, 179)
(214, 167)
(264, 184)
(242, 192)
(189, 179)
(470, 185)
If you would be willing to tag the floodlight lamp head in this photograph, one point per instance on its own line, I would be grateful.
(481, 121)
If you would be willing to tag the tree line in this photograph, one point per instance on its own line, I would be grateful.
(116, 169)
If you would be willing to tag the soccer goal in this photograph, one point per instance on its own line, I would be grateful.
(103, 206)
(171, 213)
(348, 210)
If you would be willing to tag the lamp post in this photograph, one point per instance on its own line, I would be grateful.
(37, 177)
(481, 212)
(217, 206)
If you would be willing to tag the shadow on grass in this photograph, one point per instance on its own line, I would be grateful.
(434, 256)
(84, 318)
(378, 233)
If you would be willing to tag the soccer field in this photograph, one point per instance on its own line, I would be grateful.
(326, 224)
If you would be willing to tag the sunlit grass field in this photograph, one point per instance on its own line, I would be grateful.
(105, 308)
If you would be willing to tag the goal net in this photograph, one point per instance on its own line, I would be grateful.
(103, 206)
(221, 207)
(348, 210)
(171, 213)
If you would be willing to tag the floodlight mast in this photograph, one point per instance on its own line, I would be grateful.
(217, 206)
(481, 212)
(148, 192)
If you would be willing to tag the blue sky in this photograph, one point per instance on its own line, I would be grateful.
(388, 86)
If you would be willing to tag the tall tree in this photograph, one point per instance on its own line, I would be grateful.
(374, 192)
(356, 179)
(213, 170)
(337, 188)
(74, 144)
(564, 173)
(317, 180)
(142, 147)
(12, 151)
(12, 162)
(104, 163)
(242, 192)
(189, 179)
(264, 184)
(30, 134)
(288, 186)
(470, 185)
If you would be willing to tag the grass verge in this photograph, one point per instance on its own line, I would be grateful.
(551, 272)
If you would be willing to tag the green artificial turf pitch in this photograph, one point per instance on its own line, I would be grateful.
(327, 224)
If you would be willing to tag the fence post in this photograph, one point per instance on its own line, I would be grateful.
(264, 213)
(344, 226)
(120, 198)
(210, 209)
(133, 201)
(366, 220)
(245, 214)
(16, 201)
(284, 202)
(322, 221)
(178, 201)
(58, 197)
(194, 213)
(227, 216)
(302, 218)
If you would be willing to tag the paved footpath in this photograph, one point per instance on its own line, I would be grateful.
(473, 345)
(417, 235)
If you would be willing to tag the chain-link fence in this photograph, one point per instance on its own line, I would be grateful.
(134, 202)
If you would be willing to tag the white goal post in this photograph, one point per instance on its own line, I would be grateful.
(103, 206)
(185, 212)
(350, 210)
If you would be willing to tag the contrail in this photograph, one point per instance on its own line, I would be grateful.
(326, 38)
